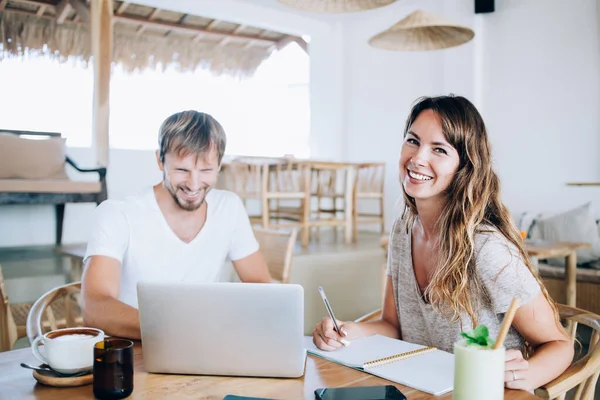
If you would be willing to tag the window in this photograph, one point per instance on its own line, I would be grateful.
(266, 115)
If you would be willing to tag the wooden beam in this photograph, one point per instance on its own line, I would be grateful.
(82, 10)
(251, 43)
(35, 3)
(238, 29)
(292, 39)
(183, 19)
(208, 28)
(62, 10)
(180, 22)
(151, 17)
(122, 8)
(3, 4)
(302, 43)
(212, 25)
(187, 28)
(284, 42)
(102, 37)
(154, 14)
(41, 10)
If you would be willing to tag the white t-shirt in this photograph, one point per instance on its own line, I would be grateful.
(135, 232)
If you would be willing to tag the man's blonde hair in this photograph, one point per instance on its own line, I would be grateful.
(191, 132)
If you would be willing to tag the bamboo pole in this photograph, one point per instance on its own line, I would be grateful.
(102, 36)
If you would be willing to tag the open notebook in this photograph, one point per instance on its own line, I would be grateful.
(423, 368)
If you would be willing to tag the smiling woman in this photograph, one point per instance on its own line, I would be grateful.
(456, 260)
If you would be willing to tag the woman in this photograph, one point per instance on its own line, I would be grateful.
(456, 260)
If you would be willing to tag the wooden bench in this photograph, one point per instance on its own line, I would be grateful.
(33, 171)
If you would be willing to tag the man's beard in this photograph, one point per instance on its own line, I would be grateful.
(184, 205)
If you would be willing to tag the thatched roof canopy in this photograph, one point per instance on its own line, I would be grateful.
(144, 37)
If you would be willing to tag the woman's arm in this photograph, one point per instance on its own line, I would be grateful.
(553, 348)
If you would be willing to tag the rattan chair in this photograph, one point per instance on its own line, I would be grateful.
(43, 315)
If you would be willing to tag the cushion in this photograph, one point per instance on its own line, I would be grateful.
(48, 186)
(577, 225)
(22, 158)
(526, 221)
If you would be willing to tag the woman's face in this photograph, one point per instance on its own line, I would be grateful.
(427, 161)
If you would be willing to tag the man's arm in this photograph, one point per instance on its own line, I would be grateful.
(101, 308)
(252, 268)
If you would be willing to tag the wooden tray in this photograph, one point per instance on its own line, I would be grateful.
(51, 379)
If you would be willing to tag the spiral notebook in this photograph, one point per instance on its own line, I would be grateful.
(423, 368)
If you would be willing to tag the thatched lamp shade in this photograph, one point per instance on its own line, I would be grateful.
(335, 6)
(421, 31)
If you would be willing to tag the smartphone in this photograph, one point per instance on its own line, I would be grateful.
(388, 392)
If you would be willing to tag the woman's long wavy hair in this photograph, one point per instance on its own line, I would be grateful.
(474, 203)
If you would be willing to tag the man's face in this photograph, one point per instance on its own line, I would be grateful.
(189, 177)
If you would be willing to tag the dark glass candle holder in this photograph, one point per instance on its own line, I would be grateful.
(113, 369)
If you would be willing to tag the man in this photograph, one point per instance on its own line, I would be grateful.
(180, 230)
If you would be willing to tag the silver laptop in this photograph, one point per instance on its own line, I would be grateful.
(235, 329)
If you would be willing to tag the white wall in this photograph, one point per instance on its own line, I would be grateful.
(533, 69)
(541, 100)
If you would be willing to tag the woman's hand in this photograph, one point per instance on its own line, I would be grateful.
(326, 338)
(516, 371)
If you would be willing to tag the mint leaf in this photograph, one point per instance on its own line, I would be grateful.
(478, 336)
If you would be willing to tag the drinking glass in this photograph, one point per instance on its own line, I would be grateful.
(478, 372)
(113, 369)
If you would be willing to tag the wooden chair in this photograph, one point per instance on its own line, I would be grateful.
(369, 185)
(277, 247)
(274, 180)
(65, 299)
(13, 318)
(582, 375)
(10, 330)
(329, 185)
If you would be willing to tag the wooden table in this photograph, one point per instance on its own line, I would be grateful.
(543, 250)
(18, 383)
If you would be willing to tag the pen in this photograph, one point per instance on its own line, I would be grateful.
(330, 312)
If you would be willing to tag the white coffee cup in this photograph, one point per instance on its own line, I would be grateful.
(69, 350)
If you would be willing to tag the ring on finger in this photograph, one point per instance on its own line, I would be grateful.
(513, 374)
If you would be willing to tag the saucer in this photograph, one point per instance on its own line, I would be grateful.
(50, 378)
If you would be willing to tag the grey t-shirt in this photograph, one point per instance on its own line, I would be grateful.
(500, 272)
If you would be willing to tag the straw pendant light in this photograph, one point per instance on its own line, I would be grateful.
(335, 6)
(421, 31)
